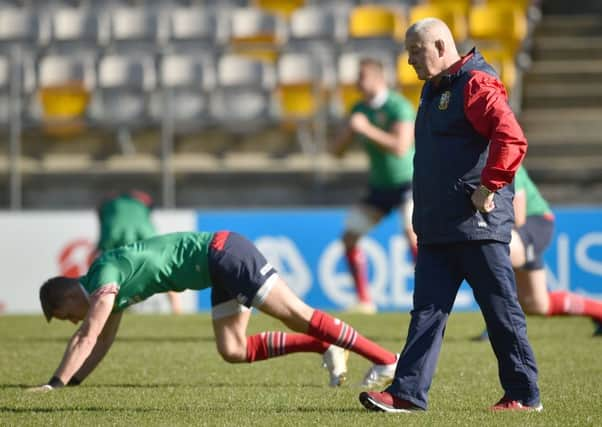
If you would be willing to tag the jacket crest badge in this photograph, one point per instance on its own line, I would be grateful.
(444, 100)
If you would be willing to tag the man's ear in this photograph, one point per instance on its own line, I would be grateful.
(440, 45)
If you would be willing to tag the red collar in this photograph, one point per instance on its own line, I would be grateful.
(458, 64)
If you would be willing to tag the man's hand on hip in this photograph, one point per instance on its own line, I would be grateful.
(482, 199)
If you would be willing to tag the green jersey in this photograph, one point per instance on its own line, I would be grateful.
(124, 220)
(171, 262)
(387, 169)
(536, 204)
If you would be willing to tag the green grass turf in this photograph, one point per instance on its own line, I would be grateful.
(164, 370)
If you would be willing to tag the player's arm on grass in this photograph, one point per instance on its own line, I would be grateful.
(83, 341)
(520, 208)
(101, 348)
(395, 141)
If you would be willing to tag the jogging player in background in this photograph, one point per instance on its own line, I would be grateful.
(126, 218)
(383, 122)
(240, 278)
(532, 234)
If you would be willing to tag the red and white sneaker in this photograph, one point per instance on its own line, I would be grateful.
(382, 401)
(507, 404)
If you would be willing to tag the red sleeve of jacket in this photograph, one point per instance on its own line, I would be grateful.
(486, 107)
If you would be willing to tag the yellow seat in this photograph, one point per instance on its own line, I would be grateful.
(406, 75)
(300, 101)
(412, 93)
(63, 107)
(463, 5)
(349, 95)
(284, 8)
(375, 21)
(502, 25)
(523, 4)
(407, 80)
(454, 16)
(504, 64)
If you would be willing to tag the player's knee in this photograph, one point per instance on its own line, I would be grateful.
(232, 353)
(532, 306)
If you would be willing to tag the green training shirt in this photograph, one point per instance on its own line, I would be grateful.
(387, 169)
(124, 220)
(536, 204)
(170, 262)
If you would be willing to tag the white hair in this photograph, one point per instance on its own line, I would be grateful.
(433, 27)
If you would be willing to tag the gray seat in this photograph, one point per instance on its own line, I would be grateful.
(248, 25)
(26, 78)
(186, 82)
(74, 29)
(133, 28)
(18, 27)
(124, 85)
(243, 98)
(191, 29)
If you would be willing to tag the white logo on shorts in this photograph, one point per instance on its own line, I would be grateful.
(265, 269)
(482, 224)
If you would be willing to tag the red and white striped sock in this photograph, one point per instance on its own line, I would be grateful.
(567, 303)
(357, 266)
(273, 344)
(337, 332)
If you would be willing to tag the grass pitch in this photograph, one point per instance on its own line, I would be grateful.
(164, 370)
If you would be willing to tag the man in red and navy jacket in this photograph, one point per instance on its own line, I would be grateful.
(468, 147)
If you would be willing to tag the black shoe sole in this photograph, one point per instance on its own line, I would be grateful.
(374, 406)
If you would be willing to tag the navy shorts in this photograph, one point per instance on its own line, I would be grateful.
(239, 272)
(387, 199)
(536, 234)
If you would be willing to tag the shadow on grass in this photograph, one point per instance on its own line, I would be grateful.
(136, 339)
(225, 409)
(266, 385)
(103, 409)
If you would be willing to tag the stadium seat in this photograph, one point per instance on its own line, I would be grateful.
(242, 100)
(18, 27)
(191, 29)
(124, 86)
(374, 21)
(315, 30)
(523, 4)
(133, 28)
(463, 5)
(64, 88)
(186, 82)
(407, 80)
(313, 23)
(74, 28)
(283, 8)
(300, 89)
(450, 13)
(498, 25)
(26, 78)
(255, 33)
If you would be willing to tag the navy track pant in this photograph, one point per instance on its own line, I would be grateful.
(440, 270)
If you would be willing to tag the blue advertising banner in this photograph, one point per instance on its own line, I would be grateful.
(304, 246)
